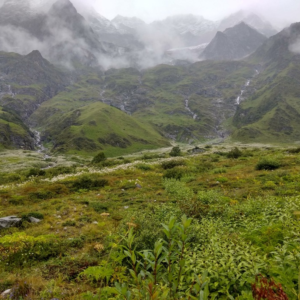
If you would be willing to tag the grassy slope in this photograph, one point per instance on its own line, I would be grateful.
(165, 89)
(272, 114)
(97, 127)
(13, 132)
(254, 200)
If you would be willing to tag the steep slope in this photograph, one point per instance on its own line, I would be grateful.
(77, 121)
(21, 14)
(61, 34)
(273, 112)
(27, 81)
(13, 132)
(234, 43)
(185, 103)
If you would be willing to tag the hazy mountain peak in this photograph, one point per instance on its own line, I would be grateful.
(64, 6)
(253, 19)
(234, 43)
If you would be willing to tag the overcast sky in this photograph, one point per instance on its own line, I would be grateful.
(150, 10)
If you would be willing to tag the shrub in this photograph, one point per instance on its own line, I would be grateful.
(59, 170)
(178, 190)
(37, 215)
(234, 153)
(294, 151)
(48, 192)
(267, 164)
(175, 151)
(176, 173)
(69, 223)
(143, 167)
(219, 171)
(36, 172)
(210, 197)
(99, 207)
(173, 163)
(86, 182)
(100, 157)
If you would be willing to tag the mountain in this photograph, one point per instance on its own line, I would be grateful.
(21, 15)
(111, 31)
(255, 21)
(62, 35)
(25, 82)
(127, 25)
(234, 43)
(189, 30)
(272, 113)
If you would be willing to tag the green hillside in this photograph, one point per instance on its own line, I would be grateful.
(272, 113)
(97, 127)
(13, 132)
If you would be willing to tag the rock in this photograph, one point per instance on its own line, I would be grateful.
(95, 222)
(34, 220)
(5, 294)
(10, 221)
(138, 186)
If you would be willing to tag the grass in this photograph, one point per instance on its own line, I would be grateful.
(84, 218)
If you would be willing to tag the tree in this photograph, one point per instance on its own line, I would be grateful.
(100, 157)
(175, 151)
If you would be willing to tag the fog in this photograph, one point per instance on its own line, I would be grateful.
(280, 11)
(160, 41)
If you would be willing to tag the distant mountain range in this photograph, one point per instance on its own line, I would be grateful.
(85, 37)
(90, 84)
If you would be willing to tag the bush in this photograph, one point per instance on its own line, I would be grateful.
(234, 153)
(172, 164)
(294, 151)
(48, 192)
(175, 173)
(69, 223)
(25, 217)
(267, 164)
(36, 172)
(175, 151)
(85, 182)
(99, 207)
(100, 157)
(143, 167)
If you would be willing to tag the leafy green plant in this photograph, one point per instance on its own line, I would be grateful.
(162, 273)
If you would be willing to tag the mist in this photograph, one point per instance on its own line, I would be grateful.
(100, 40)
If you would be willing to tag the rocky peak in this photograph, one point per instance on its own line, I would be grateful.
(63, 8)
(251, 19)
(234, 43)
(36, 57)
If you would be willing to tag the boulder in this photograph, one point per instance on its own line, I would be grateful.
(5, 294)
(10, 221)
(34, 220)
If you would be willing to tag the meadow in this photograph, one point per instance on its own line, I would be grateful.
(213, 222)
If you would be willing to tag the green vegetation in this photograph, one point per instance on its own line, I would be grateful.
(133, 231)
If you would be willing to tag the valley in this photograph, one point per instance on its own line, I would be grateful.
(148, 160)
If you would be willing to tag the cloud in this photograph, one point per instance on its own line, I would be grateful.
(295, 47)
